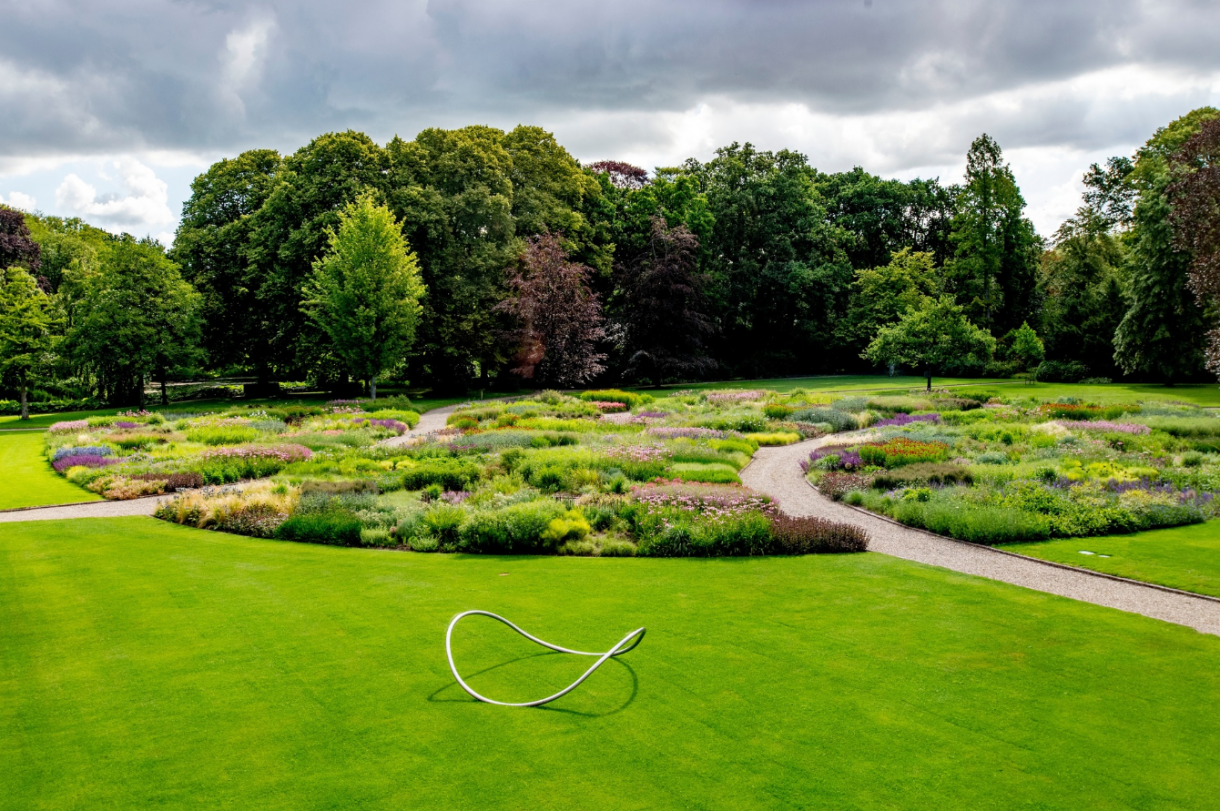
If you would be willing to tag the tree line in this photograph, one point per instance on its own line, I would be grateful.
(467, 258)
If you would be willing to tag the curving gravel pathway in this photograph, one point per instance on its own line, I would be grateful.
(429, 421)
(777, 472)
(92, 509)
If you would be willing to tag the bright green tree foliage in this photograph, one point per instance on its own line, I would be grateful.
(365, 290)
(132, 319)
(880, 295)
(1025, 347)
(1163, 333)
(26, 337)
(931, 336)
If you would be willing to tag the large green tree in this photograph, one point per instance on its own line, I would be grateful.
(1162, 334)
(133, 318)
(212, 246)
(289, 231)
(931, 336)
(26, 331)
(880, 295)
(364, 291)
(994, 270)
(779, 274)
(1082, 281)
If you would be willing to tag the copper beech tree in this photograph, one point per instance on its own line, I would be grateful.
(559, 319)
(1196, 220)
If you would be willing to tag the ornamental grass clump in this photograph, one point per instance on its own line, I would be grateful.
(723, 397)
(69, 426)
(899, 420)
(1106, 426)
(665, 432)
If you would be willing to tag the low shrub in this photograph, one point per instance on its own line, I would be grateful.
(837, 420)
(836, 485)
(777, 411)
(715, 473)
(173, 481)
(631, 399)
(449, 474)
(774, 438)
(1059, 371)
(222, 434)
(334, 528)
(806, 535)
(516, 529)
(939, 473)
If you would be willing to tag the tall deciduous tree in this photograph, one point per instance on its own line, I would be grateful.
(663, 307)
(17, 247)
(134, 318)
(212, 247)
(364, 291)
(1196, 221)
(930, 336)
(26, 337)
(880, 295)
(994, 273)
(779, 271)
(1162, 335)
(560, 320)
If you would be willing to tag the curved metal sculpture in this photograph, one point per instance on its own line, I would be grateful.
(618, 650)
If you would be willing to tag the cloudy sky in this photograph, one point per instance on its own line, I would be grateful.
(109, 109)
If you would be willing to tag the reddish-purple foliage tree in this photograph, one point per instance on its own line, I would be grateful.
(622, 175)
(17, 248)
(664, 307)
(1196, 220)
(559, 316)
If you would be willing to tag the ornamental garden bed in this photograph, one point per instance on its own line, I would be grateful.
(1018, 471)
(546, 474)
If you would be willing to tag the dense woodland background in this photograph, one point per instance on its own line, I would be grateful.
(541, 270)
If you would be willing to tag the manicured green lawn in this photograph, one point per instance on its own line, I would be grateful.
(1183, 557)
(28, 480)
(144, 664)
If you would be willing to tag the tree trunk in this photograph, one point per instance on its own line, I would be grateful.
(373, 387)
(928, 371)
(164, 392)
(140, 386)
(25, 401)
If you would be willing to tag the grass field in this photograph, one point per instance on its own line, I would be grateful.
(147, 664)
(1183, 557)
(29, 480)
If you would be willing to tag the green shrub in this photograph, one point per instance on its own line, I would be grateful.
(837, 420)
(450, 474)
(631, 399)
(774, 438)
(777, 411)
(222, 434)
(617, 549)
(717, 473)
(571, 526)
(335, 528)
(376, 537)
(444, 522)
(519, 528)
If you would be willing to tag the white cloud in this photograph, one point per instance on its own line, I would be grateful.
(242, 59)
(145, 204)
(21, 201)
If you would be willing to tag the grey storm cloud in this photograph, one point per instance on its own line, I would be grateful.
(92, 78)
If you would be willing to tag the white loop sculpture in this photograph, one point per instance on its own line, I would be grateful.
(618, 650)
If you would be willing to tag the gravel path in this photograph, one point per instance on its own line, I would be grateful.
(777, 472)
(429, 421)
(94, 509)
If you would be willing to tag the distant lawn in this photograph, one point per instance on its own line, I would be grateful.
(144, 664)
(1183, 557)
(28, 480)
